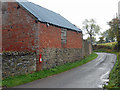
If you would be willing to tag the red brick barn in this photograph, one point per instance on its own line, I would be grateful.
(30, 27)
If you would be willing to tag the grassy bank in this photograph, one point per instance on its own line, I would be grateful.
(115, 74)
(22, 79)
(114, 77)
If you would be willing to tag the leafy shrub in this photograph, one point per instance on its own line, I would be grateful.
(108, 47)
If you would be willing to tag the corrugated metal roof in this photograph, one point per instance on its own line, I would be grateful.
(47, 16)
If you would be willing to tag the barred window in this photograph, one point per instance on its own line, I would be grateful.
(63, 36)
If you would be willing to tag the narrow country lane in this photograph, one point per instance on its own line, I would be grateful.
(91, 75)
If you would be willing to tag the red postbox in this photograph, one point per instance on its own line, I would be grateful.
(40, 58)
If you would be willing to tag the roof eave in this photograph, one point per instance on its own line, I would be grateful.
(46, 22)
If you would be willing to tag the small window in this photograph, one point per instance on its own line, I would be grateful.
(63, 36)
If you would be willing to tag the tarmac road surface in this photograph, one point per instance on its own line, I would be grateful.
(91, 75)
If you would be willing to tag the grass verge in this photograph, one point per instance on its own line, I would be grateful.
(114, 77)
(22, 79)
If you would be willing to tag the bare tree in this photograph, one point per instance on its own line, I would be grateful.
(91, 28)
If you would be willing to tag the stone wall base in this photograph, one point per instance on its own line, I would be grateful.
(55, 56)
(18, 63)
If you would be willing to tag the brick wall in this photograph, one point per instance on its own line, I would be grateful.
(74, 39)
(50, 37)
(50, 41)
(19, 29)
(21, 32)
(52, 50)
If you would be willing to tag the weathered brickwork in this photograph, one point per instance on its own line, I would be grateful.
(74, 39)
(19, 29)
(21, 32)
(18, 63)
(49, 36)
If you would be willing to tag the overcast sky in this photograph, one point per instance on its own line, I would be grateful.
(76, 11)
